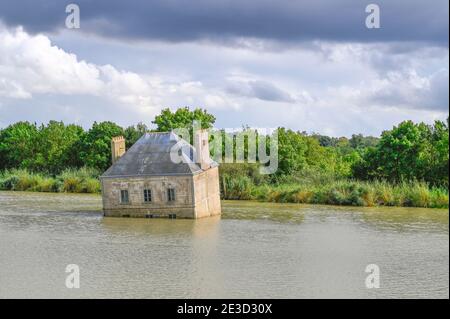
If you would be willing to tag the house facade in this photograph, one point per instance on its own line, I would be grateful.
(146, 181)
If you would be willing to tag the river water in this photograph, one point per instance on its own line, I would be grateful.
(255, 250)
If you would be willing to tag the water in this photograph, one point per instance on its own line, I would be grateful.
(256, 250)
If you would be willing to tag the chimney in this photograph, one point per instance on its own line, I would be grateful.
(117, 147)
(201, 145)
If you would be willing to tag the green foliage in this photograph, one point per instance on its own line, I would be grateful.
(18, 145)
(83, 180)
(408, 152)
(58, 147)
(182, 118)
(238, 180)
(133, 133)
(48, 148)
(292, 148)
(22, 180)
(96, 145)
(341, 192)
(407, 166)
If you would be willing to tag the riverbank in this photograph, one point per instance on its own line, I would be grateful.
(342, 192)
(83, 180)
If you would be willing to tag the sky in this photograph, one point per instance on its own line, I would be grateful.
(307, 65)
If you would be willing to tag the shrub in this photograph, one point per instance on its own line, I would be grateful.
(439, 198)
(83, 180)
(302, 196)
(234, 185)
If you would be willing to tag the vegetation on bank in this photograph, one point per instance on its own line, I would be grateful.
(83, 180)
(405, 166)
(338, 192)
(239, 187)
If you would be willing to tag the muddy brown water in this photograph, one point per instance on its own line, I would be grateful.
(255, 250)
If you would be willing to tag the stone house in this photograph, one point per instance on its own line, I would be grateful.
(145, 181)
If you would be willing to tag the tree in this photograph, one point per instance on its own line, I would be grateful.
(96, 145)
(292, 148)
(18, 145)
(358, 141)
(438, 154)
(182, 118)
(133, 133)
(58, 147)
(408, 152)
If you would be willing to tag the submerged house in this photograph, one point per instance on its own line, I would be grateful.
(145, 181)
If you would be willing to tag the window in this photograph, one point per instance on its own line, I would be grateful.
(171, 194)
(147, 195)
(124, 196)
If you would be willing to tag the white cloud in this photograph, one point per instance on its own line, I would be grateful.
(324, 87)
(31, 65)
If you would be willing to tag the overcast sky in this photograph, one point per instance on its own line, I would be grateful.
(306, 65)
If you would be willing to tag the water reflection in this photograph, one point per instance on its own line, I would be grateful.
(200, 228)
(285, 213)
(406, 220)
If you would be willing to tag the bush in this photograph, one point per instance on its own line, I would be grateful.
(22, 180)
(302, 196)
(234, 185)
(354, 193)
(83, 180)
(439, 198)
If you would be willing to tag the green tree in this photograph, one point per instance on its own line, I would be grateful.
(133, 133)
(437, 155)
(18, 145)
(96, 145)
(292, 148)
(182, 118)
(57, 147)
(408, 152)
(358, 141)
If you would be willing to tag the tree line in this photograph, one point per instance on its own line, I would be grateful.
(409, 151)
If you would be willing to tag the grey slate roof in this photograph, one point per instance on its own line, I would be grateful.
(150, 155)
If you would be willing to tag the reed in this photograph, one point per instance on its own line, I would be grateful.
(83, 180)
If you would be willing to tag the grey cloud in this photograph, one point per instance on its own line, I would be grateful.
(259, 89)
(413, 91)
(283, 20)
(439, 95)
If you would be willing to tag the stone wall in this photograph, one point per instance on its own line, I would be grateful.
(195, 196)
(207, 193)
(183, 206)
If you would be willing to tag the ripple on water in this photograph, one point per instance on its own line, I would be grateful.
(256, 250)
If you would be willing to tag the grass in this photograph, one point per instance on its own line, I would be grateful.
(236, 185)
(341, 192)
(83, 180)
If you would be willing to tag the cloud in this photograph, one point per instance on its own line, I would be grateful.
(329, 87)
(233, 20)
(32, 67)
(262, 90)
(410, 90)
